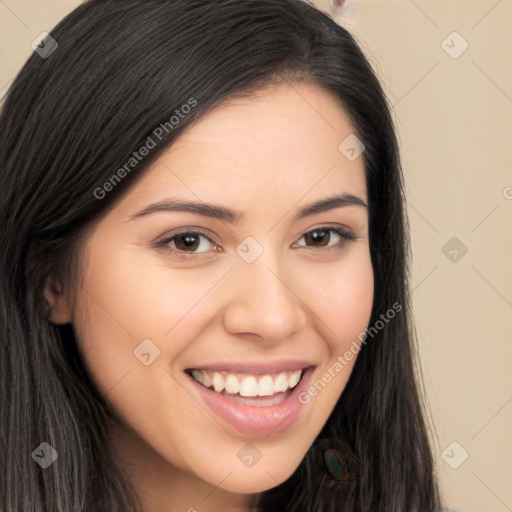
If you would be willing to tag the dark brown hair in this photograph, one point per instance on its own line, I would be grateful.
(68, 122)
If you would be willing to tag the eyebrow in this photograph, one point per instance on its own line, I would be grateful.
(235, 216)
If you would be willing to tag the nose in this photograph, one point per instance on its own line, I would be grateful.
(261, 302)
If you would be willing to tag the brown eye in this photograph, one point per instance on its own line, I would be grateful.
(318, 236)
(322, 237)
(187, 242)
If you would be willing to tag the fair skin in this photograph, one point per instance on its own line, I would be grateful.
(266, 157)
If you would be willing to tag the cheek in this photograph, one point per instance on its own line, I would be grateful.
(352, 304)
(133, 295)
(126, 300)
(341, 300)
(113, 316)
(341, 296)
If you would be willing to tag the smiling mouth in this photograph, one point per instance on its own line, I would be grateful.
(244, 385)
(260, 401)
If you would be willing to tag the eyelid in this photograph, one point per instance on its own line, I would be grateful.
(332, 225)
(186, 229)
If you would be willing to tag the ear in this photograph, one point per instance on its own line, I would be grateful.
(60, 307)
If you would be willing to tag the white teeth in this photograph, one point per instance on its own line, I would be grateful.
(207, 380)
(232, 384)
(203, 377)
(294, 378)
(198, 375)
(218, 382)
(281, 383)
(249, 385)
(265, 386)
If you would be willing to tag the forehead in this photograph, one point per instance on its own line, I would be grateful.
(293, 120)
(284, 141)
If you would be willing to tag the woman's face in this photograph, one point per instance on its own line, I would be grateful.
(261, 287)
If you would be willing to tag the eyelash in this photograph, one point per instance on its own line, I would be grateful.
(346, 236)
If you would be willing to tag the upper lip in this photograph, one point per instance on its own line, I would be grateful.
(255, 367)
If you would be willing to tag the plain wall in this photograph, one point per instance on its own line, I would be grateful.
(454, 119)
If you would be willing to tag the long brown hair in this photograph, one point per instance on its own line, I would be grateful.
(72, 118)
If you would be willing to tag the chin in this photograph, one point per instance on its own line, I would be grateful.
(252, 480)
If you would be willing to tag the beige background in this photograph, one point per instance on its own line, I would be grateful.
(454, 117)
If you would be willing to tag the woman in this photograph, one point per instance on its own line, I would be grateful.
(204, 279)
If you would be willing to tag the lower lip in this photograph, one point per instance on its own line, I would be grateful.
(252, 420)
